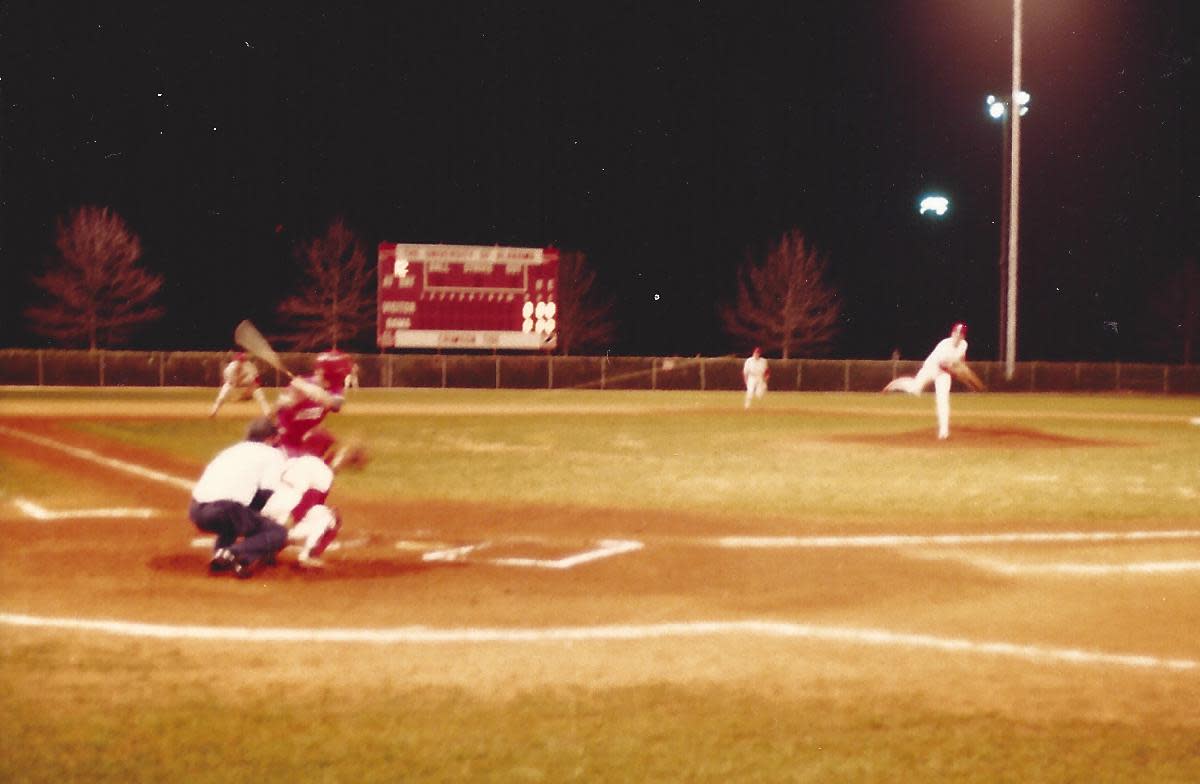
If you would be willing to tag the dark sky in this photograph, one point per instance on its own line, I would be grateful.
(667, 140)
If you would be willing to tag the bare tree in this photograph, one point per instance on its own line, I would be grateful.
(96, 293)
(337, 304)
(785, 303)
(585, 315)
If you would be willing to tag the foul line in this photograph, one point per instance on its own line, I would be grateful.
(766, 629)
(96, 457)
(905, 540)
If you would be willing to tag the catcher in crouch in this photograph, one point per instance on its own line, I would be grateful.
(946, 362)
(298, 503)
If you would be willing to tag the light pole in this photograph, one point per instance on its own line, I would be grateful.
(998, 109)
(1010, 344)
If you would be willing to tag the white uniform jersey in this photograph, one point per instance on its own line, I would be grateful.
(755, 368)
(299, 476)
(238, 472)
(944, 356)
(240, 373)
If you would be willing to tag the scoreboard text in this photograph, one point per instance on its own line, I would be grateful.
(467, 297)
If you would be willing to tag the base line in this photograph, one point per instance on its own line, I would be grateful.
(690, 629)
(96, 457)
(906, 540)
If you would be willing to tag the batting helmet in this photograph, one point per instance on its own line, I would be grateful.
(261, 429)
(959, 329)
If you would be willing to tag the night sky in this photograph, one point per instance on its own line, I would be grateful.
(667, 140)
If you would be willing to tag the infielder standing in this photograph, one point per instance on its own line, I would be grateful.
(223, 498)
(241, 374)
(946, 362)
(755, 373)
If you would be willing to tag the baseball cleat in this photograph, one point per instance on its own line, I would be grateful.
(244, 569)
(222, 561)
(309, 562)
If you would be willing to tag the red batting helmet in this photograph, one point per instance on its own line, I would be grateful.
(959, 329)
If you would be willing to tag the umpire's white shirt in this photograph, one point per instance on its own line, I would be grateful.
(239, 472)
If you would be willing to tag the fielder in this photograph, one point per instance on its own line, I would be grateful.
(299, 502)
(242, 375)
(304, 404)
(946, 362)
(224, 497)
(755, 373)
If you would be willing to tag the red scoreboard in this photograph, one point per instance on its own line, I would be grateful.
(467, 297)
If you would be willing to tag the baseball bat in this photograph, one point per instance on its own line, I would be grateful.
(248, 337)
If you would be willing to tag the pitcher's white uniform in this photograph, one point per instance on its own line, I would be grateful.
(946, 354)
(755, 373)
(299, 504)
(241, 374)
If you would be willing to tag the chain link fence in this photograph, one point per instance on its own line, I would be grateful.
(27, 367)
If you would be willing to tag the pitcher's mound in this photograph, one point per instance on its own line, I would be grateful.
(976, 437)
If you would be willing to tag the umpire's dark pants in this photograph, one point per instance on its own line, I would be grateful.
(231, 521)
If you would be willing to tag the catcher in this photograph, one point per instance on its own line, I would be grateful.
(945, 363)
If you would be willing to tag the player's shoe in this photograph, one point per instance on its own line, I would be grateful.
(306, 561)
(243, 568)
(222, 561)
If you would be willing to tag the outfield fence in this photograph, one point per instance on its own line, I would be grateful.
(37, 367)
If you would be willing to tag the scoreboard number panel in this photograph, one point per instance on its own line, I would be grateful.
(467, 297)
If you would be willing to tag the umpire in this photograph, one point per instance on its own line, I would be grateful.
(223, 502)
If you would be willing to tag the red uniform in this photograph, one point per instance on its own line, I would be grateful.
(304, 404)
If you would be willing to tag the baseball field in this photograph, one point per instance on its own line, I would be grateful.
(614, 586)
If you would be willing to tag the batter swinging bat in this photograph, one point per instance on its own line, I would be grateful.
(248, 337)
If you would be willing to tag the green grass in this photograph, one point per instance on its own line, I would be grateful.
(123, 723)
(787, 460)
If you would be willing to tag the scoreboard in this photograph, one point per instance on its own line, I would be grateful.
(467, 297)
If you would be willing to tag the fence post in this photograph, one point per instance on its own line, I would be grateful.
(443, 358)
(41, 368)
(549, 371)
(100, 367)
(799, 374)
(846, 377)
(654, 373)
(703, 383)
(1117, 375)
(1166, 379)
(162, 369)
(603, 366)
(497, 371)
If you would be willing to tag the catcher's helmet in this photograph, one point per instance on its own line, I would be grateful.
(334, 367)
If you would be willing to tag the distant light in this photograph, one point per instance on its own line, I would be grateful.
(935, 204)
(159, 95)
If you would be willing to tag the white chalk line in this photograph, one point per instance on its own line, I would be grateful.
(635, 632)
(96, 457)
(1073, 569)
(39, 512)
(945, 540)
(606, 549)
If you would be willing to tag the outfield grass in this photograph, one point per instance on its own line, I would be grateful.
(77, 708)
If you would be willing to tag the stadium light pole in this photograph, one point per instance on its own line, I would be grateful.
(998, 109)
(1010, 343)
